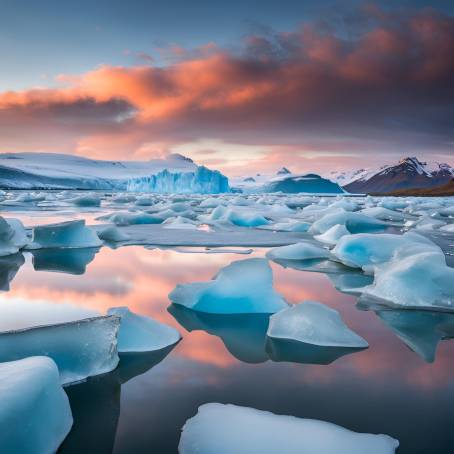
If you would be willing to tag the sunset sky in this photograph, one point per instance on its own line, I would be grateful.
(241, 86)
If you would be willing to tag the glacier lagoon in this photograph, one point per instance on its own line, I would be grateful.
(400, 386)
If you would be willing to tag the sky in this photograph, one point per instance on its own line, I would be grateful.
(241, 86)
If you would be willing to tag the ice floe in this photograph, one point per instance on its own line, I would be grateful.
(139, 333)
(35, 415)
(227, 429)
(70, 234)
(13, 236)
(244, 286)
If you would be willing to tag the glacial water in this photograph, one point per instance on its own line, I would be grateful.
(142, 406)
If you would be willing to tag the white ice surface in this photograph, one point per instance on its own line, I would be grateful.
(298, 251)
(229, 429)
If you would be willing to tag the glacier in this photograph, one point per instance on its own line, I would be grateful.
(200, 181)
(35, 415)
(226, 429)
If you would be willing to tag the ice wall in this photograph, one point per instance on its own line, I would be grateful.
(203, 181)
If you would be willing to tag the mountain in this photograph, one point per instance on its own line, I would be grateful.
(309, 183)
(408, 173)
(285, 181)
(176, 174)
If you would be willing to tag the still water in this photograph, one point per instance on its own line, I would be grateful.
(142, 406)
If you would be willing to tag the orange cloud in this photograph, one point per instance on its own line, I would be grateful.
(390, 86)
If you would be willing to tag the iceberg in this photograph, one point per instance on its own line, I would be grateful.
(314, 323)
(333, 234)
(80, 348)
(126, 218)
(70, 234)
(366, 251)
(227, 429)
(142, 334)
(13, 236)
(245, 286)
(202, 180)
(113, 234)
(35, 415)
(298, 251)
(353, 222)
(420, 280)
(86, 201)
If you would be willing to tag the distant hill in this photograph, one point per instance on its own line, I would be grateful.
(440, 191)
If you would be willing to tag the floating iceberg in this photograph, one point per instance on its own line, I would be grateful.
(142, 334)
(333, 234)
(70, 234)
(416, 281)
(353, 222)
(369, 250)
(227, 429)
(126, 218)
(384, 214)
(13, 236)
(298, 251)
(80, 348)
(111, 233)
(86, 201)
(314, 323)
(35, 415)
(245, 286)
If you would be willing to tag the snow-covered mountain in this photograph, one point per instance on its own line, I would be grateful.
(286, 181)
(408, 173)
(176, 173)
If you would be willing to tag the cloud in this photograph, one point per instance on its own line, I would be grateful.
(382, 86)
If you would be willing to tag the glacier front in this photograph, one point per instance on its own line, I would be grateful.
(202, 181)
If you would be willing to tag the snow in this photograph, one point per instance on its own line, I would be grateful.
(35, 415)
(227, 429)
(70, 234)
(81, 348)
(13, 236)
(313, 323)
(244, 286)
(139, 333)
(298, 251)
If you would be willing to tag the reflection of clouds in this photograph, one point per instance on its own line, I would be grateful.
(142, 279)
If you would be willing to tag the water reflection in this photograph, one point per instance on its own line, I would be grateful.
(9, 266)
(244, 335)
(288, 350)
(70, 261)
(420, 330)
(96, 403)
(217, 362)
